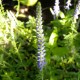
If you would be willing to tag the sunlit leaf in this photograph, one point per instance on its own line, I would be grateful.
(28, 2)
(63, 21)
(62, 14)
(71, 59)
(53, 37)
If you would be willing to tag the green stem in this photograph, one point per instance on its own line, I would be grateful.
(18, 7)
(42, 74)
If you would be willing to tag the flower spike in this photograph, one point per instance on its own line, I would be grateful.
(68, 4)
(77, 11)
(40, 37)
(56, 8)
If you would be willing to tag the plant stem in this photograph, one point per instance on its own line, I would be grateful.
(42, 74)
(18, 7)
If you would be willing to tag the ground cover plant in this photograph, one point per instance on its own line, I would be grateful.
(32, 49)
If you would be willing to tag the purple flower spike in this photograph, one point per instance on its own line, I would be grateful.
(56, 8)
(40, 38)
(77, 11)
(68, 4)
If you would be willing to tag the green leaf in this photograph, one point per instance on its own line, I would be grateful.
(62, 14)
(60, 51)
(28, 2)
(53, 37)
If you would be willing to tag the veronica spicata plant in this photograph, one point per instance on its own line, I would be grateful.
(68, 4)
(56, 8)
(75, 16)
(40, 37)
(77, 11)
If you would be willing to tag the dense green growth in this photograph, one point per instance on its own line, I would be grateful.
(18, 45)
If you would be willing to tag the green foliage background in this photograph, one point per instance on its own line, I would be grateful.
(18, 48)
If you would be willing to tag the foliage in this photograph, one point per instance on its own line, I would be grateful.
(18, 46)
(28, 2)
